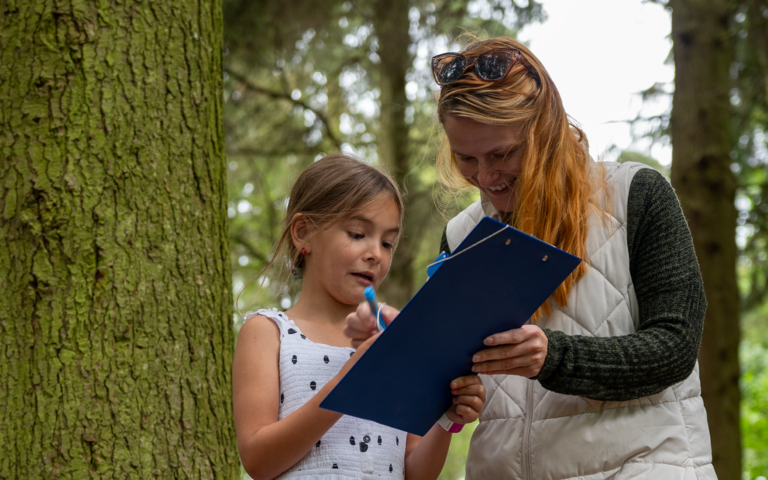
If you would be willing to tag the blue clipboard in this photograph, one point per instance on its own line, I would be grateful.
(403, 380)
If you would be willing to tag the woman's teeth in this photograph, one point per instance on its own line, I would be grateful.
(497, 189)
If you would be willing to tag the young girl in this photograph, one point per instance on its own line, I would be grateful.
(340, 230)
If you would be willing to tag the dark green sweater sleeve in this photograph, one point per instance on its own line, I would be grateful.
(671, 301)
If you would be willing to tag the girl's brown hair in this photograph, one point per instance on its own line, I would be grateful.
(557, 182)
(329, 191)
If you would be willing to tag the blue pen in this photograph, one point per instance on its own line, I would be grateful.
(370, 297)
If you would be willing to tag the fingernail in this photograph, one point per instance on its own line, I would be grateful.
(454, 385)
(476, 358)
(489, 341)
(475, 368)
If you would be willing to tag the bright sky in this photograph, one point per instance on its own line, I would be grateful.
(600, 54)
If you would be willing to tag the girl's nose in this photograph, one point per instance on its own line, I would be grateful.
(374, 252)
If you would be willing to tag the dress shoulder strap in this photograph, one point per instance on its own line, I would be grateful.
(281, 319)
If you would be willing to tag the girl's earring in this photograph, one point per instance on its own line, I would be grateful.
(295, 272)
(304, 251)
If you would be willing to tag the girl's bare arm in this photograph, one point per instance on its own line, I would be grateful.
(269, 447)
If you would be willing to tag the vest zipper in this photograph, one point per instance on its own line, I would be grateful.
(527, 455)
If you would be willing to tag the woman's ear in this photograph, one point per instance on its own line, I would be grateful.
(300, 233)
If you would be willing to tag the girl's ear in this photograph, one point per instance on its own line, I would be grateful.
(300, 232)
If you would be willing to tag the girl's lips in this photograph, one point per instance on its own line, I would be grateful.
(364, 278)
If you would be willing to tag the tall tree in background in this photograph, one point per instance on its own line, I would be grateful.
(115, 309)
(701, 174)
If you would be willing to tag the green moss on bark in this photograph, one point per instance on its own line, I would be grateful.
(115, 309)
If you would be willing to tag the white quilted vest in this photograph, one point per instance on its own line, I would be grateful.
(528, 432)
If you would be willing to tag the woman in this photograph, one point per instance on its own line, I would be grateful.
(603, 381)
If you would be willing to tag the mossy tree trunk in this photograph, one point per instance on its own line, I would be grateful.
(391, 24)
(115, 301)
(701, 133)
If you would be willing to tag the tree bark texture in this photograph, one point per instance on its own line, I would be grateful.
(391, 25)
(701, 175)
(115, 303)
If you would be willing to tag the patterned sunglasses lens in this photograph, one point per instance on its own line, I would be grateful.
(448, 69)
(493, 66)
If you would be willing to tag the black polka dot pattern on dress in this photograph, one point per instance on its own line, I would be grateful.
(335, 466)
(379, 439)
(397, 440)
(363, 447)
(294, 359)
(326, 359)
(351, 353)
(302, 336)
(367, 439)
(291, 331)
(317, 444)
(312, 385)
(390, 468)
(282, 397)
(352, 440)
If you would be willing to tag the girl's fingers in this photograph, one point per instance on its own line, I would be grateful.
(389, 314)
(471, 401)
(467, 414)
(477, 390)
(465, 381)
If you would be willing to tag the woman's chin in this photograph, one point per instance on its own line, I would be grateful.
(502, 204)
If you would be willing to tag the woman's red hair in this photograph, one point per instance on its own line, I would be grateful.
(558, 181)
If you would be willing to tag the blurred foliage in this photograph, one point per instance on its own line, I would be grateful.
(753, 356)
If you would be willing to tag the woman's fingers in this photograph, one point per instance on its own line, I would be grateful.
(512, 337)
(518, 352)
(527, 366)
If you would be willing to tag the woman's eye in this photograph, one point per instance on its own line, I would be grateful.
(355, 235)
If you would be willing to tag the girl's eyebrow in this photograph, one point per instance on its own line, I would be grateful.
(368, 221)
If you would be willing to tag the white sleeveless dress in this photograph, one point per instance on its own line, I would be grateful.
(353, 448)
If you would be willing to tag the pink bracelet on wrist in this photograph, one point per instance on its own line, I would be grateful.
(448, 425)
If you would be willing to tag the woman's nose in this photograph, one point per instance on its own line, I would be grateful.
(486, 173)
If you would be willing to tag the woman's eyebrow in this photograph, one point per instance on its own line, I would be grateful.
(498, 149)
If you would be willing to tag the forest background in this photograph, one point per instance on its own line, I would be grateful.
(147, 151)
(354, 76)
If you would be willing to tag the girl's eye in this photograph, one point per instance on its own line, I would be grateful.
(355, 235)
(387, 245)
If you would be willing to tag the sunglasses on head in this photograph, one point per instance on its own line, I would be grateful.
(490, 66)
